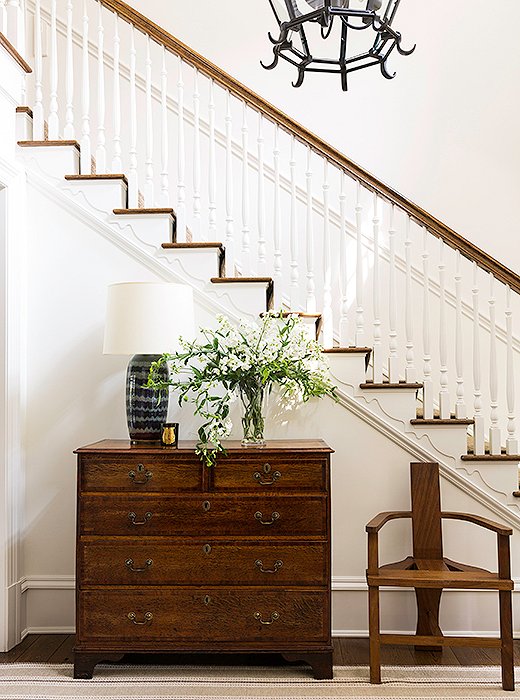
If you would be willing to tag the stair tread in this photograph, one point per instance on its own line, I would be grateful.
(188, 246)
(490, 458)
(389, 385)
(233, 280)
(156, 210)
(349, 350)
(31, 144)
(106, 176)
(442, 421)
(23, 109)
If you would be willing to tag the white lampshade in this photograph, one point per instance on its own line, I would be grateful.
(147, 318)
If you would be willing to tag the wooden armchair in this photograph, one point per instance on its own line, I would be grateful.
(428, 572)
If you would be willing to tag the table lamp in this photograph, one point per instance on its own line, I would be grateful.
(146, 319)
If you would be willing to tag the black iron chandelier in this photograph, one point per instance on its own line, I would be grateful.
(293, 16)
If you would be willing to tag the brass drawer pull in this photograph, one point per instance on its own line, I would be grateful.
(143, 478)
(259, 477)
(277, 565)
(130, 564)
(206, 505)
(132, 517)
(148, 617)
(274, 517)
(274, 616)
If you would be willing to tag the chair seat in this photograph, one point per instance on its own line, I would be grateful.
(439, 579)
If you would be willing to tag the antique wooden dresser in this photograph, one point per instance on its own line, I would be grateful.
(176, 557)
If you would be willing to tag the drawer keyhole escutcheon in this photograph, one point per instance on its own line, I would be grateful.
(132, 517)
(130, 564)
(207, 600)
(274, 517)
(148, 617)
(265, 478)
(277, 565)
(206, 505)
(207, 549)
(274, 616)
(141, 477)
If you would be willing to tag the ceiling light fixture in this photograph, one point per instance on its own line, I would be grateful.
(295, 16)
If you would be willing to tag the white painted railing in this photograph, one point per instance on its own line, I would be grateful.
(330, 242)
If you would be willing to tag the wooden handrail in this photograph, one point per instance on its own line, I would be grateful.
(322, 148)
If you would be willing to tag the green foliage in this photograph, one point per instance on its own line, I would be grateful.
(211, 371)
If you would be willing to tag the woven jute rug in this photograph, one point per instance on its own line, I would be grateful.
(111, 682)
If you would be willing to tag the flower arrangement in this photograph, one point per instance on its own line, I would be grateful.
(244, 360)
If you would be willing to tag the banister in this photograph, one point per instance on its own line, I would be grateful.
(318, 145)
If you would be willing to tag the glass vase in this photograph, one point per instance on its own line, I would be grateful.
(253, 398)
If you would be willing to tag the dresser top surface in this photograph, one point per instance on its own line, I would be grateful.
(188, 446)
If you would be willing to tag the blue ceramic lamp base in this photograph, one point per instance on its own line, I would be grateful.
(145, 411)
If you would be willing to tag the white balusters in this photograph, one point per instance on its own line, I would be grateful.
(262, 244)
(15, 22)
(512, 440)
(38, 118)
(478, 418)
(311, 286)
(196, 161)
(328, 331)
(343, 266)
(294, 297)
(101, 156)
(444, 396)
(3, 17)
(427, 371)
(410, 374)
(69, 78)
(230, 221)
(245, 256)
(181, 160)
(360, 315)
(393, 360)
(53, 121)
(117, 165)
(277, 224)
(148, 173)
(165, 182)
(377, 350)
(460, 406)
(212, 171)
(133, 179)
(86, 150)
(495, 437)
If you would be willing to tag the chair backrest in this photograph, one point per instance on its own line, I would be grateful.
(426, 510)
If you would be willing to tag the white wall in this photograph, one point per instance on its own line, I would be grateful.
(443, 132)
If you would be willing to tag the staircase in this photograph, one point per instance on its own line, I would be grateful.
(201, 181)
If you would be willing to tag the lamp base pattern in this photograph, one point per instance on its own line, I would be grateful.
(146, 410)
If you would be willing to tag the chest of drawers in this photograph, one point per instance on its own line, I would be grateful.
(172, 556)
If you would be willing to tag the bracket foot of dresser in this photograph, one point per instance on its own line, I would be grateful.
(85, 663)
(320, 662)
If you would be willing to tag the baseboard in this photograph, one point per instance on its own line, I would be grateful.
(48, 630)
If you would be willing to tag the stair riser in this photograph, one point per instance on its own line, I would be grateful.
(24, 126)
(450, 441)
(150, 229)
(53, 161)
(397, 404)
(246, 299)
(501, 477)
(100, 195)
(200, 264)
(347, 370)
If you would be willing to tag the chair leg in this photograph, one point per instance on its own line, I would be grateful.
(374, 632)
(428, 605)
(506, 637)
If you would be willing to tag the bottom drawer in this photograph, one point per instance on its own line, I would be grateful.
(151, 617)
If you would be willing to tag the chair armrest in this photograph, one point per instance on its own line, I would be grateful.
(377, 523)
(477, 520)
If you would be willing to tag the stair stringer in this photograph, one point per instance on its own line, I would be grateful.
(373, 410)
(392, 414)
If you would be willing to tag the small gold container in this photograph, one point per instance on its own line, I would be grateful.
(170, 434)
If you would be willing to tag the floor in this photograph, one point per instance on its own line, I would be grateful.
(58, 648)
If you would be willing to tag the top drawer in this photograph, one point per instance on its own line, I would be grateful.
(131, 473)
(269, 472)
